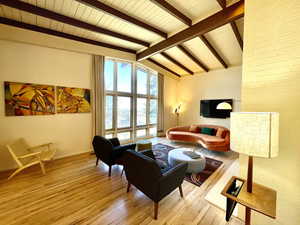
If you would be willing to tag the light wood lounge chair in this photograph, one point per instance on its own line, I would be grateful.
(26, 156)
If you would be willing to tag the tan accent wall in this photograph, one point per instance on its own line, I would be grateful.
(271, 82)
(217, 84)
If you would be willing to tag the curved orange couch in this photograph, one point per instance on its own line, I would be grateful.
(219, 142)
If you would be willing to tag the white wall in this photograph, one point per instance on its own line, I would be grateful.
(31, 37)
(71, 133)
(170, 102)
(271, 82)
(218, 84)
(28, 63)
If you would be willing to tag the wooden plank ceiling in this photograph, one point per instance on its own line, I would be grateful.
(157, 30)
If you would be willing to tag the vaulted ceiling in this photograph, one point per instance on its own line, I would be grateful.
(183, 37)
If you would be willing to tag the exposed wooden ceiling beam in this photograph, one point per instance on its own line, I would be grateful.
(173, 11)
(237, 34)
(219, 19)
(193, 58)
(167, 56)
(61, 34)
(162, 66)
(210, 47)
(222, 3)
(116, 13)
(213, 51)
(234, 27)
(68, 20)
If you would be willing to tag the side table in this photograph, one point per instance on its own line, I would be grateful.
(262, 199)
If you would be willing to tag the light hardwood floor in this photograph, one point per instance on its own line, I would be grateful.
(75, 191)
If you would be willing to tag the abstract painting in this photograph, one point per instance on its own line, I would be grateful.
(73, 100)
(24, 99)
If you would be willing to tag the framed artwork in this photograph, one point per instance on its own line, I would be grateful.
(26, 99)
(73, 100)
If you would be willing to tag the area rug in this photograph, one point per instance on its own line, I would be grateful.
(161, 152)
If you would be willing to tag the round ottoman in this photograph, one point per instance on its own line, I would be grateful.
(143, 145)
(177, 156)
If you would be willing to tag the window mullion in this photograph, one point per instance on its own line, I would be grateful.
(115, 100)
(134, 100)
(148, 103)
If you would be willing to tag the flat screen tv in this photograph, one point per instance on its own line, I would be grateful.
(208, 108)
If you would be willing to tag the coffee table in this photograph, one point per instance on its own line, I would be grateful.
(177, 156)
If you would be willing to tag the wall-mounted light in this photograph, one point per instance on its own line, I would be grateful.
(224, 106)
(177, 109)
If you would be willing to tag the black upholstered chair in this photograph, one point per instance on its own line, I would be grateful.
(145, 174)
(110, 151)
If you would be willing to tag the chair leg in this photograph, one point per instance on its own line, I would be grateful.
(43, 168)
(109, 171)
(180, 190)
(128, 187)
(14, 173)
(97, 161)
(155, 210)
(122, 172)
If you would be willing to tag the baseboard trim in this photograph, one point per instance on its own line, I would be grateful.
(89, 151)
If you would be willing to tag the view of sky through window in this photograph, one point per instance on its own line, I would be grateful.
(120, 99)
(124, 77)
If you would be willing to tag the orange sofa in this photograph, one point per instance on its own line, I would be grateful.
(220, 141)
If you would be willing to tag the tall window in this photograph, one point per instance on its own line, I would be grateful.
(131, 103)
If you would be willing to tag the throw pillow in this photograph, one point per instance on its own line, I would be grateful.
(209, 131)
(195, 129)
(220, 132)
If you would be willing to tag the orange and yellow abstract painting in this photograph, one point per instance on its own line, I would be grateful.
(73, 100)
(23, 99)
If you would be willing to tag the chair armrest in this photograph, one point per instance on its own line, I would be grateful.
(125, 147)
(148, 153)
(130, 146)
(118, 151)
(177, 171)
(39, 146)
(114, 141)
(29, 155)
(171, 180)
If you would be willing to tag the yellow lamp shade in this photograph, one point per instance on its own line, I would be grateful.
(255, 133)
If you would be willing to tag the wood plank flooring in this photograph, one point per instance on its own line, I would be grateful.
(75, 191)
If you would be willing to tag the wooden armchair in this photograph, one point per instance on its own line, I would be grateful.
(26, 156)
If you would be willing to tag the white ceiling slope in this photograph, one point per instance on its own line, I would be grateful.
(222, 39)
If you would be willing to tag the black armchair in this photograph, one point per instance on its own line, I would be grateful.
(144, 173)
(110, 151)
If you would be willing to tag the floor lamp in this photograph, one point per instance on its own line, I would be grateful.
(255, 134)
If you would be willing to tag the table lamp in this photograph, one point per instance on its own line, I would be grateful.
(255, 134)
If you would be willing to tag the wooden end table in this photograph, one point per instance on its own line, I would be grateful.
(262, 199)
